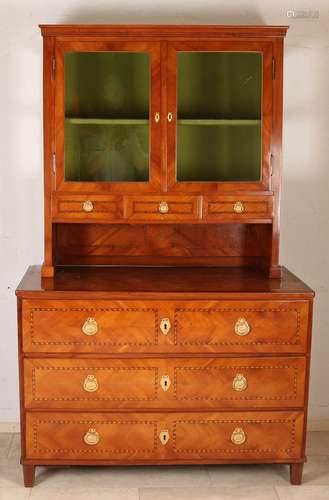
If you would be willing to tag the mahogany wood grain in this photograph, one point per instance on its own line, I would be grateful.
(221, 208)
(205, 269)
(162, 282)
(156, 39)
(136, 436)
(148, 208)
(134, 326)
(71, 207)
(48, 151)
(54, 383)
(165, 244)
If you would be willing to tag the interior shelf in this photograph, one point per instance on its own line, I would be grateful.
(107, 121)
(217, 122)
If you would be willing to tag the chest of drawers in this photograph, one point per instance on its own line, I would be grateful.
(150, 366)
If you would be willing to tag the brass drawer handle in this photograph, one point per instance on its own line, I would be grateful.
(157, 117)
(165, 382)
(238, 207)
(90, 327)
(238, 436)
(242, 327)
(170, 117)
(164, 436)
(90, 384)
(91, 437)
(240, 382)
(88, 206)
(163, 207)
(165, 326)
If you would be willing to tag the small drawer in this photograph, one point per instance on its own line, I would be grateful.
(87, 207)
(165, 383)
(163, 209)
(235, 208)
(242, 326)
(179, 437)
(87, 326)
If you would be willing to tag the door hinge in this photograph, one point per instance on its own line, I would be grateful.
(53, 67)
(53, 163)
(271, 169)
(273, 68)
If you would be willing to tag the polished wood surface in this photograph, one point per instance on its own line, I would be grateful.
(162, 42)
(163, 244)
(161, 328)
(220, 383)
(135, 326)
(107, 281)
(137, 436)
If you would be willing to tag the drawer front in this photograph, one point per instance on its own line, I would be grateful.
(164, 327)
(180, 437)
(255, 326)
(87, 207)
(92, 436)
(84, 326)
(165, 383)
(236, 208)
(163, 209)
(238, 435)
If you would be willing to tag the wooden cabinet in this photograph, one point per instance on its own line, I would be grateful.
(161, 328)
(169, 124)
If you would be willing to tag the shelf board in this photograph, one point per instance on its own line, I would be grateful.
(107, 121)
(217, 122)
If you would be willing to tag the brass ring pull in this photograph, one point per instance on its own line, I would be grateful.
(163, 207)
(88, 206)
(157, 117)
(170, 117)
(240, 382)
(242, 327)
(238, 436)
(165, 326)
(165, 382)
(164, 436)
(91, 437)
(90, 384)
(90, 327)
(238, 207)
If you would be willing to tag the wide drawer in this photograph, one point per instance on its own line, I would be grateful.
(235, 208)
(165, 383)
(146, 437)
(87, 207)
(163, 326)
(163, 209)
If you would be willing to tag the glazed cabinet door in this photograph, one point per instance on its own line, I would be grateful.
(107, 116)
(219, 115)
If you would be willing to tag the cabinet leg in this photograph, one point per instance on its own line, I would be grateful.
(29, 475)
(296, 472)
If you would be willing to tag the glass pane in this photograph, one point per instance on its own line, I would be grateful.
(107, 116)
(219, 96)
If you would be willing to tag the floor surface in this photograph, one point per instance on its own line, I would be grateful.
(216, 482)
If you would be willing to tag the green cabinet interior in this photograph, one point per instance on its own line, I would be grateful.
(219, 96)
(107, 116)
(107, 128)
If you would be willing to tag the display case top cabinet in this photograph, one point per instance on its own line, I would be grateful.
(162, 124)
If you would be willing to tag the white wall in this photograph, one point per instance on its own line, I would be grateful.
(305, 205)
